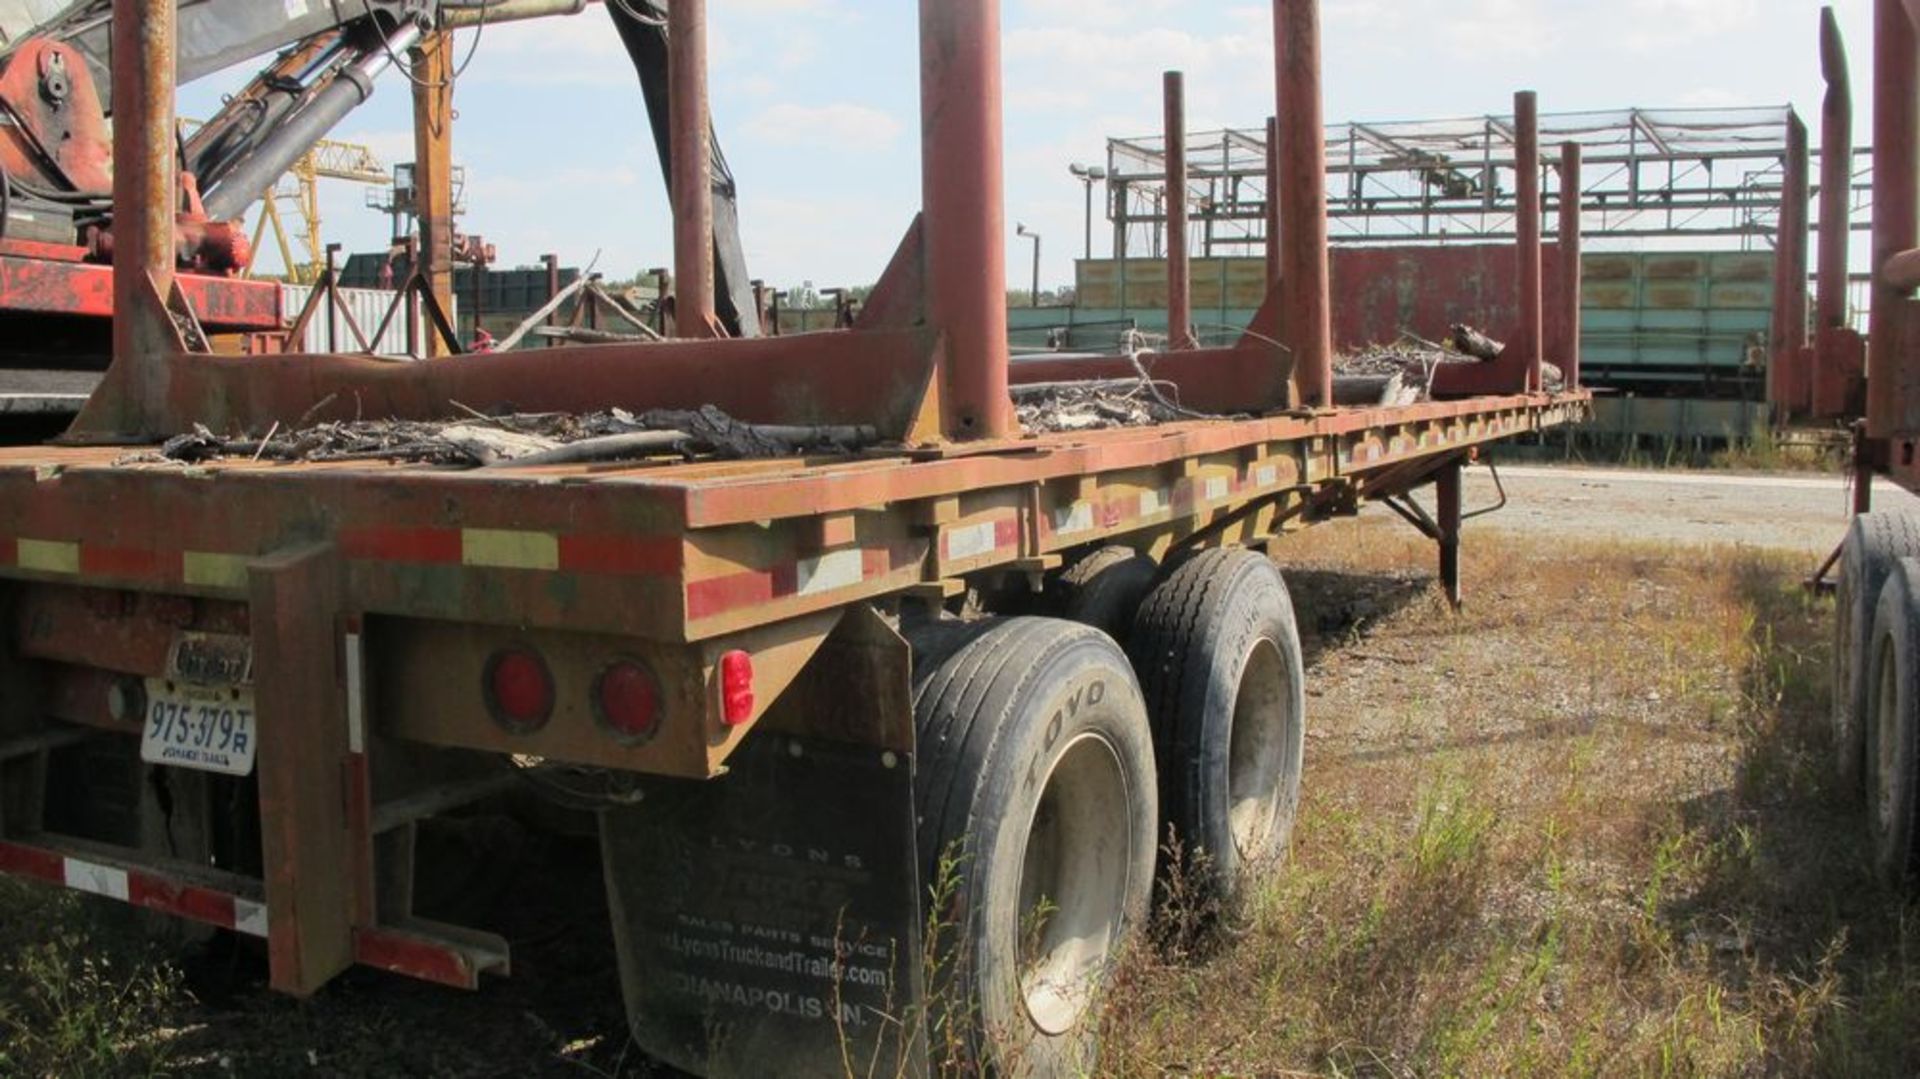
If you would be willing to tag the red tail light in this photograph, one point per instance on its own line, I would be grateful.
(626, 699)
(519, 690)
(736, 688)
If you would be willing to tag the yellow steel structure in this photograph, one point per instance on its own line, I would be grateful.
(300, 189)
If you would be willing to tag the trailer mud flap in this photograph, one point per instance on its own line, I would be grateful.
(773, 914)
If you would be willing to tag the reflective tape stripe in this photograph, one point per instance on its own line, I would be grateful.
(503, 549)
(205, 569)
(1069, 520)
(48, 556)
(249, 917)
(971, 541)
(97, 879)
(356, 704)
(836, 569)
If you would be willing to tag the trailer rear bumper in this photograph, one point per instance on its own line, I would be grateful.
(424, 951)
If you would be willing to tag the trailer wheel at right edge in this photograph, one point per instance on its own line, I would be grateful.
(1218, 654)
(1875, 543)
(1891, 726)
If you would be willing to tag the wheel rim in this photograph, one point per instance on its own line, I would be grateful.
(1073, 881)
(1258, 749)
(1886, 735)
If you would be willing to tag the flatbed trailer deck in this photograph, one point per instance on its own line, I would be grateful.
(881, 746)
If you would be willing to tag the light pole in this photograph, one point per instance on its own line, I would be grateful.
(1089, 175)
(1023, 230)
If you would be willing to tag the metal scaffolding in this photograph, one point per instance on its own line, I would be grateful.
(1649, 174)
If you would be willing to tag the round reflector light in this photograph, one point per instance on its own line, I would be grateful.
(519, 690)
(626, 699)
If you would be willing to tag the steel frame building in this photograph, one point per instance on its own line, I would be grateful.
(1649, 175)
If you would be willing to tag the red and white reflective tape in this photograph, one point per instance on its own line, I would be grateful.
(139, 888)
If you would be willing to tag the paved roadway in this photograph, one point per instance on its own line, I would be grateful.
(1802, 511)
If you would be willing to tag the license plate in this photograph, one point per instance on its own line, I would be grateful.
(208, 728)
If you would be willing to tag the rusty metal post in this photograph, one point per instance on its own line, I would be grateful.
(962, 194)
(552, 263)
(1788, 386)
(692, 170)
(1567, 348)
(1273, 201)
(1447, 517)
(1896, 215)
(1305, 301)
(433, 170)
(330, 285)
(144, 187)
(1836, 174)
(1526, 142)
(1179, 265)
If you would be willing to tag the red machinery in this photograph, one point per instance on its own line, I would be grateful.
(58, 232)
(55, 234)
(318, 660)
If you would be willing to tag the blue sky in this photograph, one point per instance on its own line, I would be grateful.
(817, 107)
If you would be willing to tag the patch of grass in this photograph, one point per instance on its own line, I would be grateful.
(77, 999)
(1585, 827)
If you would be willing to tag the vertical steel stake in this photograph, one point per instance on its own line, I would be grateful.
(692, 170)
(1179, 265)
(962, 151)
(1305, 304)
(1526, 126)
(1567, 349)
(1785, 377)
(1896, 217)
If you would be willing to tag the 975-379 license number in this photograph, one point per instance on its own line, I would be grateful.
(209, 728)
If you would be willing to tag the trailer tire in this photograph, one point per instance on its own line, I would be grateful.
(1035, 782)
(1875, 543)
(1892, 733)
(1104, 590)
(1218, 654)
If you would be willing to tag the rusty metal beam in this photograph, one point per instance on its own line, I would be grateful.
(144, 187)
(692, 171)
(433, 168)
(1566, 349)
(1789, 387)
(1896, 215)
(1526, 112)
(1179, 265)
(1306, 317)
(1273, 201)
(1836, 173)
(962, 179)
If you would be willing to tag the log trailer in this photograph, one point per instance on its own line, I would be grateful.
(1876, 655)
(855, 823)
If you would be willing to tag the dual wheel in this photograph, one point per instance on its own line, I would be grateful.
(1876, 714)
(1051, 760)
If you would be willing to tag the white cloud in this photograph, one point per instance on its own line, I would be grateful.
(840, 126)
